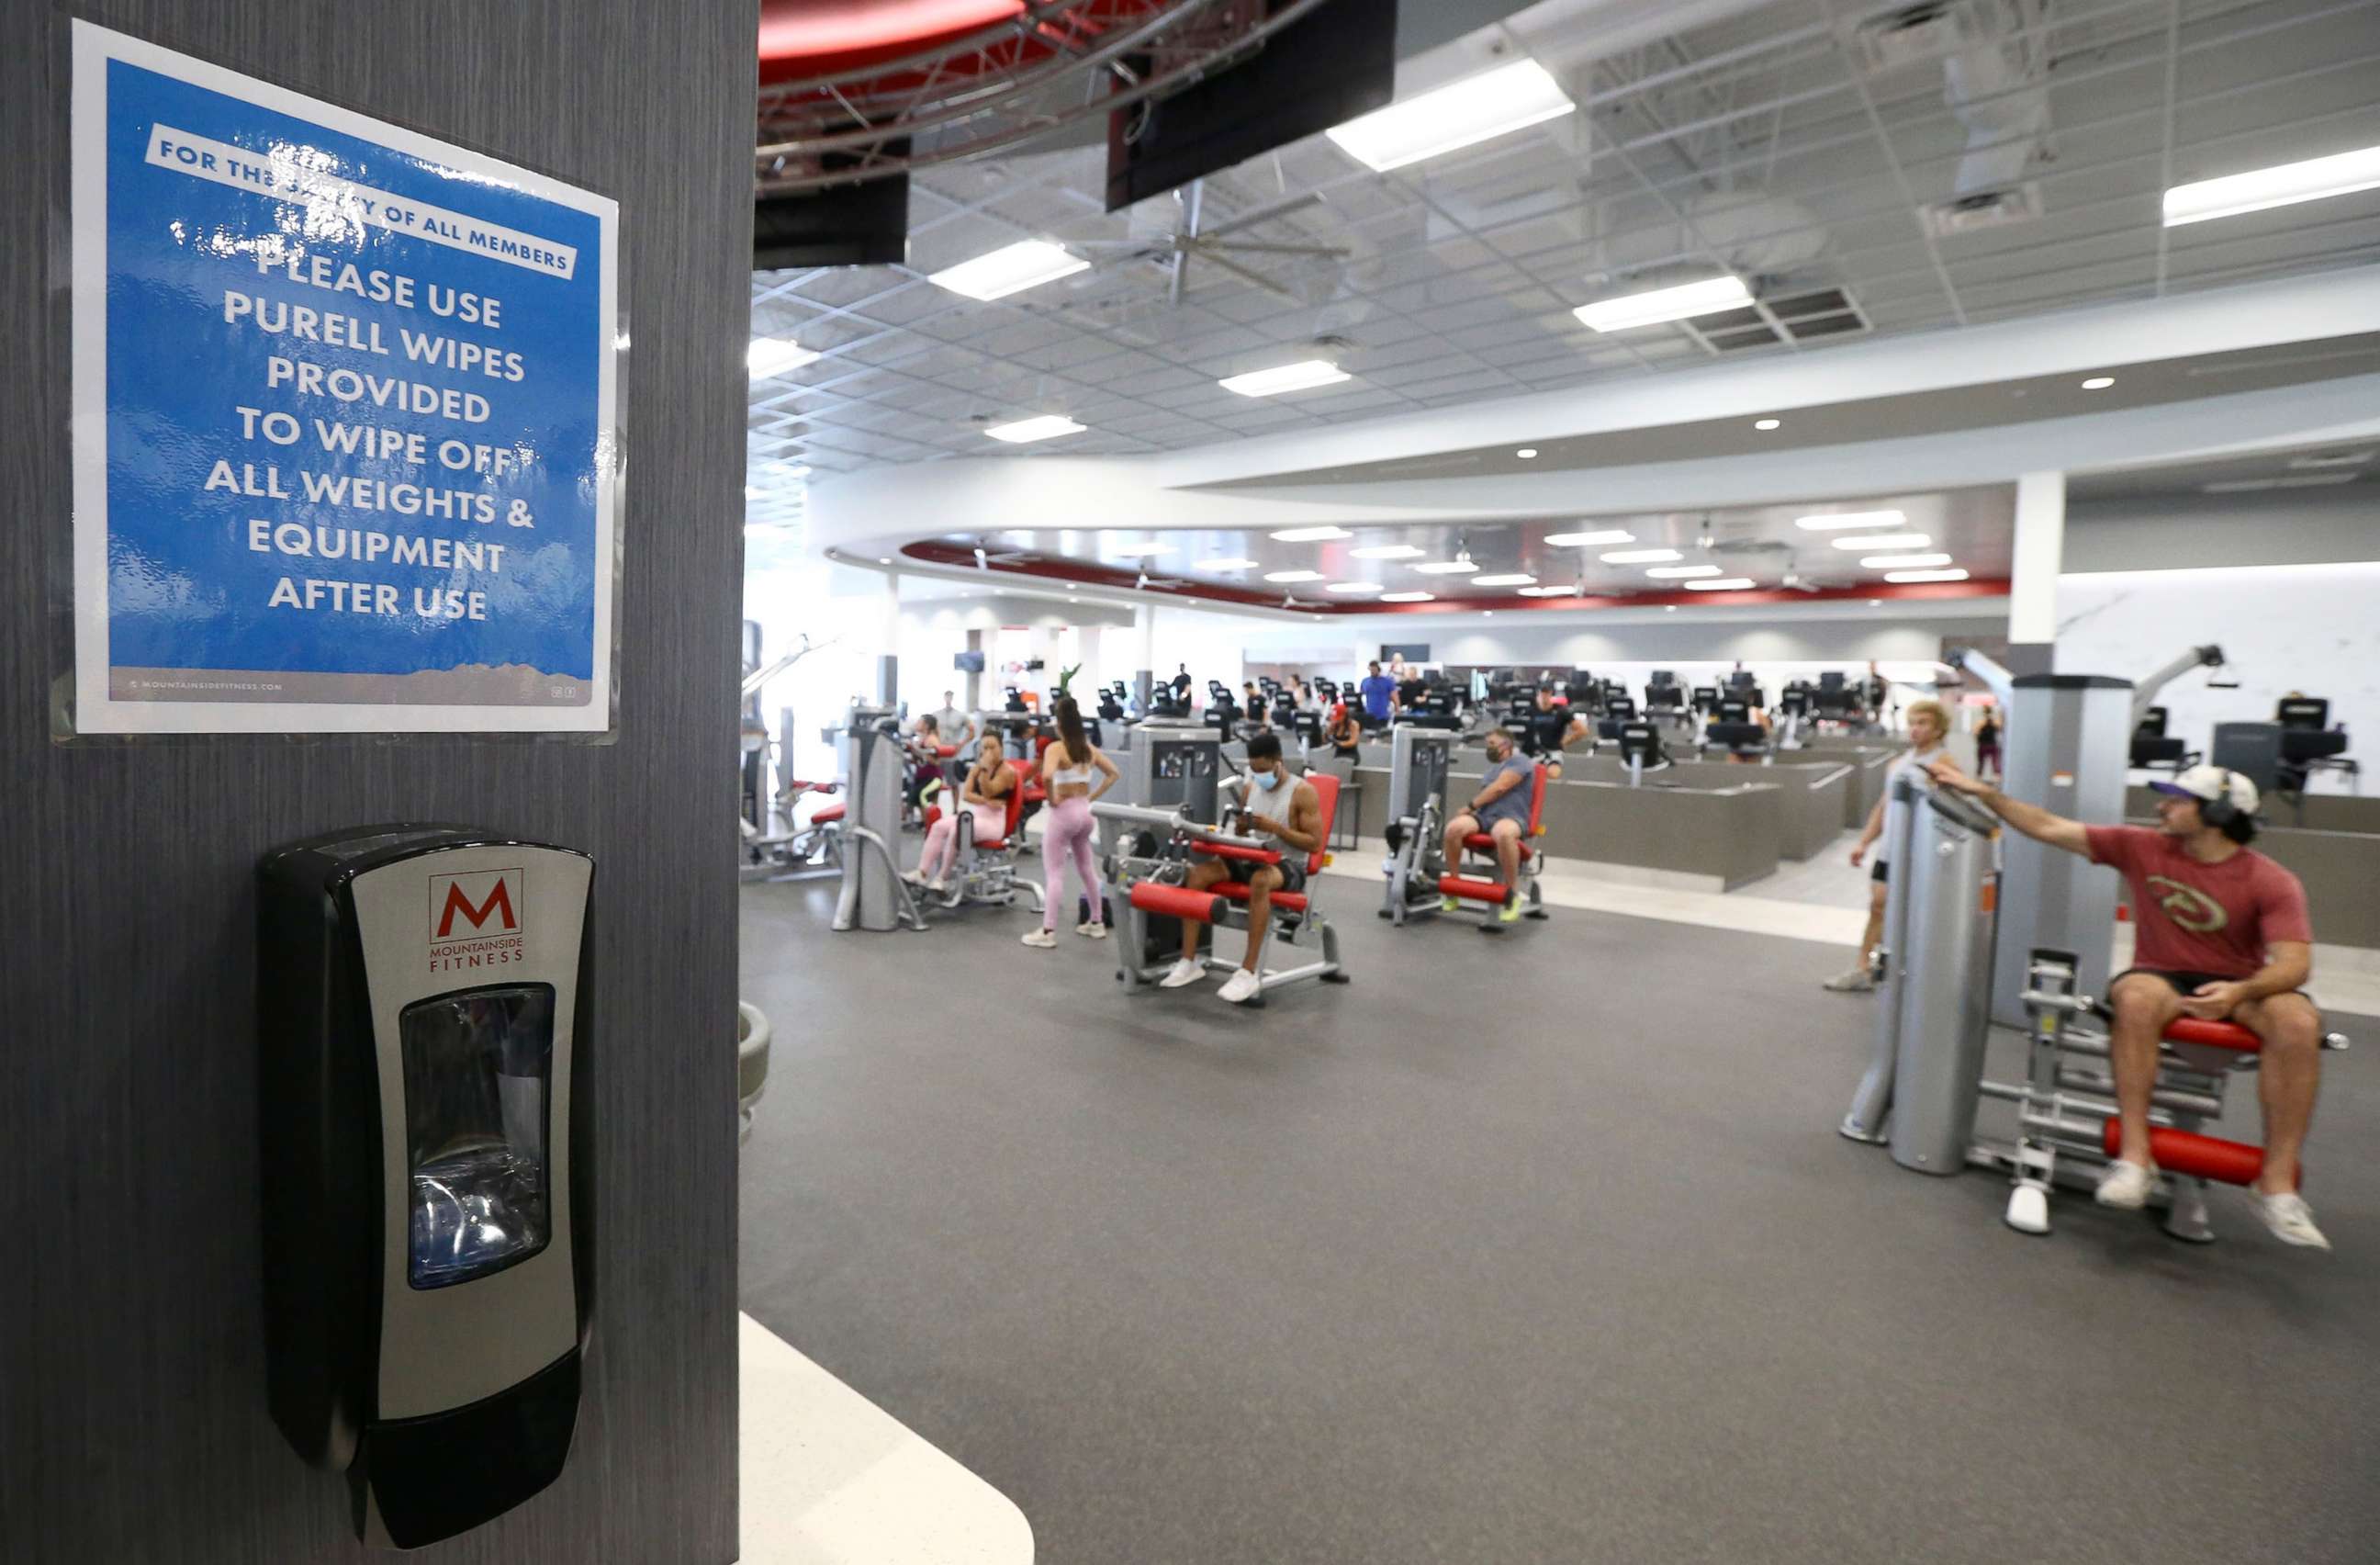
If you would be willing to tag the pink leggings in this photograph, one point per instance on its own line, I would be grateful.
(1070, 830)
(942, 838)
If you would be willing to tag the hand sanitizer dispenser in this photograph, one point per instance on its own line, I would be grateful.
(426, 1173)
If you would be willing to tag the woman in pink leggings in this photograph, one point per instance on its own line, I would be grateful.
(1068, 770)
(984, 795)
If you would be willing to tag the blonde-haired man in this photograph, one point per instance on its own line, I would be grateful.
(1929, 723)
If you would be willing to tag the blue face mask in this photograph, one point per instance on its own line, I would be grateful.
(1260, 784)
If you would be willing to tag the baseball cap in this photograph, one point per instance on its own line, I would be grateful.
(2210, 783)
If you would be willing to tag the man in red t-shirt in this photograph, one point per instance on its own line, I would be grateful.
(2223, 935)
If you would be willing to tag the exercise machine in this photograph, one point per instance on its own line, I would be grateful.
(985, 871)
(2309, 744)
(1419, 878)
(1155, 904)
(874, 895)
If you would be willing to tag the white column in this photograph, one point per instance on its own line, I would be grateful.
(1143, 670)
(2040, 545)
(888, 656)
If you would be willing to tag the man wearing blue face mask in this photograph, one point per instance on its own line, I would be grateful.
(1284, 814)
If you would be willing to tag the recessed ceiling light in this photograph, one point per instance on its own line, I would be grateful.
(1885, 541)
(1292, 576)
(1408, 598)
(1489, 615)
(1677, 303)
(1509, 579)
(1385, 551)
(1670, 607)
(1447, 568)
(1833, 521)
(1588, 540)
(773, 355)
(1353, 588)
(1681, 573)
(1309, 534)
(1494, 102)
(883, 559)
(1875, 603)
(1046, 427)
(1642, 556)
(1526, 453)
(2334, 458)
(2338, 175)
(1725, 584)
(1766, 424)
(2295, 481)
(1926, 576)
(1904, 562)
(2098, 382)
(1301, 376)
(1011, 269)
(1227, 565)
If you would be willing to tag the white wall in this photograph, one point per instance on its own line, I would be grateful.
(2183, 532)
(2309, 628)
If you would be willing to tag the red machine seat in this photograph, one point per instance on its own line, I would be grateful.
(1485, 842)
(2217, 1034)
(828, 816)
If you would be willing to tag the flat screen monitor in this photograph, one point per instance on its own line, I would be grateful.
(967, 661)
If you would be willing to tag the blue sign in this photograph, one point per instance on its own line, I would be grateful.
(345, 456)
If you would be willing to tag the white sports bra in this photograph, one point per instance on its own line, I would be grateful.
(1067, 776)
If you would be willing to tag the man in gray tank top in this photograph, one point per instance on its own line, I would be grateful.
(1500, 806)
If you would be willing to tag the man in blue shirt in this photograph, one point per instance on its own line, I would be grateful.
(1379, 694)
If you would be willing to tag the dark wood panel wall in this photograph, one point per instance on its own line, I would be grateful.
(132, 1417)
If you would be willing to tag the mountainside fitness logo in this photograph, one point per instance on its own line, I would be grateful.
(474, 919)
(2189, 906)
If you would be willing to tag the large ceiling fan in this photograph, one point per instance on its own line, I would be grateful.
(1192, 239)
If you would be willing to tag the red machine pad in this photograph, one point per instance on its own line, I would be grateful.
(2206, 1157)
(827, 817)
(1472, 890)
(1178, 902)
(1287, 901)
(1226, 850)
(2221, 1034)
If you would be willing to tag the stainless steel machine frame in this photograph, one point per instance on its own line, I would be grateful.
(1419, 762)
(874, 895)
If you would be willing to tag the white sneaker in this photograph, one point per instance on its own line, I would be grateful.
(1182, 973)
(915, 877)
(938, 886)
(1858, 981)
(2125, 1186)
(2291, 1219)
(1096, 931)
(1041, 939)
(1242, 986)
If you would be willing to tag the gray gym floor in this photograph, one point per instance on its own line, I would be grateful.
(1534, 1250)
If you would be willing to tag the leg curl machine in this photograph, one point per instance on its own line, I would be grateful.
(984, 873)
(1147, 872)
(1418, 876)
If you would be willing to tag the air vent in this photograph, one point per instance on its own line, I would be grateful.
(1794, 317)
(1984, 209)
(1917, 34)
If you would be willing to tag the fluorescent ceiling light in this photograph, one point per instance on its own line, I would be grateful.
(1727, 584)
(1876, 541)
(1526, 453)
(1012, 269)
(1642, 556)
(1353, 588)
(1766, 424)
(1681, 573)
(1588, 540)
(1492, 103)
(1292, 576)
(2336, 175)
(1309, 534)
(1303, 375)
(1385, 551)
(2295, 481)
(1408, 598)
(1834, 519)
(773, 355)
(1705, 297)
(1509, 579)
(1447, 568)
(1904, 562)
(1550, 592)
(1048, 426)
(1927, 576)
(1227, 565)
(2098, 382)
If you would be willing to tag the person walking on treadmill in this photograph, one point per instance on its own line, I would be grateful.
(1928, 722)
(1500, 808)
(1286, 814)
(2223, 935)
(1068, 771)
(1380, 693)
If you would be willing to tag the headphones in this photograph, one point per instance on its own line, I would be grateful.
(2219, 812)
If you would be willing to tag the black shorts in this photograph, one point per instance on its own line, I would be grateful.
(1293, 876)
(2189, 984)
(1880, 875)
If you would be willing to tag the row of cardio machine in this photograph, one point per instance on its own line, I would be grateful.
(2280, 756)
(1925, 1082)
